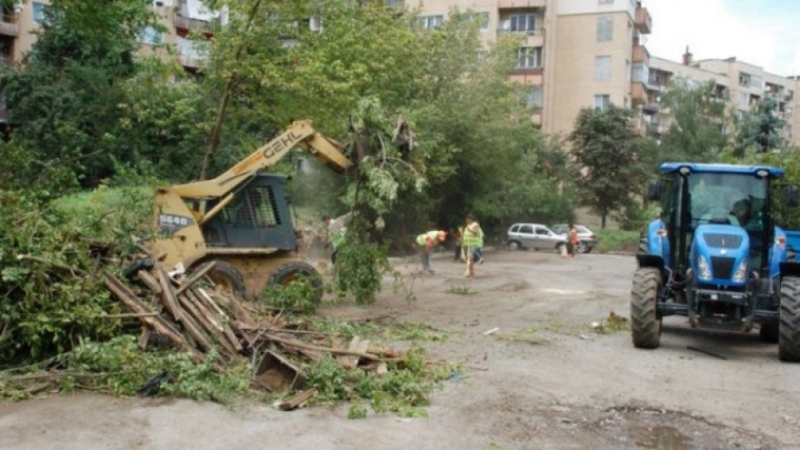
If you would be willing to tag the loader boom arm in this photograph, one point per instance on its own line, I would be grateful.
(300, 134)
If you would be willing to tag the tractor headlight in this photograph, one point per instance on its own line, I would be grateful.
(703, 269)
(741, 272)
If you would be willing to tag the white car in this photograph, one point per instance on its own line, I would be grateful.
(535, 236)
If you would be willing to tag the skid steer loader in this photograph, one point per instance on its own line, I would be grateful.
(241, 219)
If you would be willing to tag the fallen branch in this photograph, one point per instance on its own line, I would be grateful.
(54, 264)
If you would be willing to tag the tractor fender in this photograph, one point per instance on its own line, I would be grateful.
(654, 261)
(790, 269)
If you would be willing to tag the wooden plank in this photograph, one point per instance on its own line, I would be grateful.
(302, 346)
(297, 399)
(131, 301)
(348, 361)
(144, 338)
(193, 279)
(222, 318)
(236, 309)
(194, 323)
(218, 330)
(149, 281)
(168, 295)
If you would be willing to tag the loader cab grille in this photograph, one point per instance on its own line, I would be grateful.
(717, 240)
(722, 267)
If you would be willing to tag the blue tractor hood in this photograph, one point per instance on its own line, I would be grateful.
(720, 255)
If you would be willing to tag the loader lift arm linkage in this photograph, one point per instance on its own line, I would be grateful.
(300, 134)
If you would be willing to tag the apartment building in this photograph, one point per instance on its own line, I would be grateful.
(573, 53)
(740, 84)
(178, 17)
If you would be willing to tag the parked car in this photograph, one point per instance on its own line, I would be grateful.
(535, 236)
(588, 240)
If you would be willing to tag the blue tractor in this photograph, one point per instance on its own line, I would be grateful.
(717, 257)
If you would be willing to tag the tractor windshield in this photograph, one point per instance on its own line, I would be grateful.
(726, 198)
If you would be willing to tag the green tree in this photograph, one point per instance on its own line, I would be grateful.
(609, 152)
(64, 101)
(698, 119)
(760, 128)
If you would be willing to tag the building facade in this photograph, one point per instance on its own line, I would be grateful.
(741, 85)
(573, 53)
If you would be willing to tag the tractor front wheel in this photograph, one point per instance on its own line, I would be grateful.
(789, 340)
(645, 322)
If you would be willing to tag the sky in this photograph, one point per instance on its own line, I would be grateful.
(761, 32)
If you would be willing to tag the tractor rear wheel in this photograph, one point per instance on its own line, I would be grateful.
(645, 323)
(289, 272)
(789, 341)
(226, 276)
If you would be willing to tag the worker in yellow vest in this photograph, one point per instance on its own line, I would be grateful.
(425, 244)
(473, 241)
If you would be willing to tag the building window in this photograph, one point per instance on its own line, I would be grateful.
(431, 22)
(744, 99)
(480, 17)
(744, 79)
(150, 36)
(602, 68)
(529, 57)
(641, 73)
(601, 102)
(605, 29)
(522, 22)
(534, 98)
(39, 12)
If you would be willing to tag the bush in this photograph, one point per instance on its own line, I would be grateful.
(617, 241)
(54, 261)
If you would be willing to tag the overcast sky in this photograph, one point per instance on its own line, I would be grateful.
(761, 32)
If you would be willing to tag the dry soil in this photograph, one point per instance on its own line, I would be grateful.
(545, 379)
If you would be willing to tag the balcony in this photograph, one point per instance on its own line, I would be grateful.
(641, 55)
(520, 4)
(188, 24)
(643, 21)
(9, 25)
(193, 54)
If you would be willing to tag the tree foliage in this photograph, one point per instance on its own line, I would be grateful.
(609, 152)
(759, 129)
(696, 132)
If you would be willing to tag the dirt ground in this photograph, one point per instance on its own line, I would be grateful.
(544, 380)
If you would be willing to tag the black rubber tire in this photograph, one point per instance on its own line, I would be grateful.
(561, 248)
(789, 340)
(768, 332)
(645, 323)
(514, 245)
(582, 248)
(643, 248)
(287, 273)
(791, 256)
(225, 275)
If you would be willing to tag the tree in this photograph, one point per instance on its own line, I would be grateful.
(760, 128)
(64, 101)
(696, 131)
(607, 149)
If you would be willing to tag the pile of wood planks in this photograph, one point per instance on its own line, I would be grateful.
(198, 317)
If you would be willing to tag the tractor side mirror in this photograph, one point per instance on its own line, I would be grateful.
(792, 195)
(654, 190)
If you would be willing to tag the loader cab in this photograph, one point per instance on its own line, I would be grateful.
(258, 217)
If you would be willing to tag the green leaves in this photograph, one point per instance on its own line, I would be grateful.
(608, 151)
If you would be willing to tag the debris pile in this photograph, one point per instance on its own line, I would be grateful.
(198, 317)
